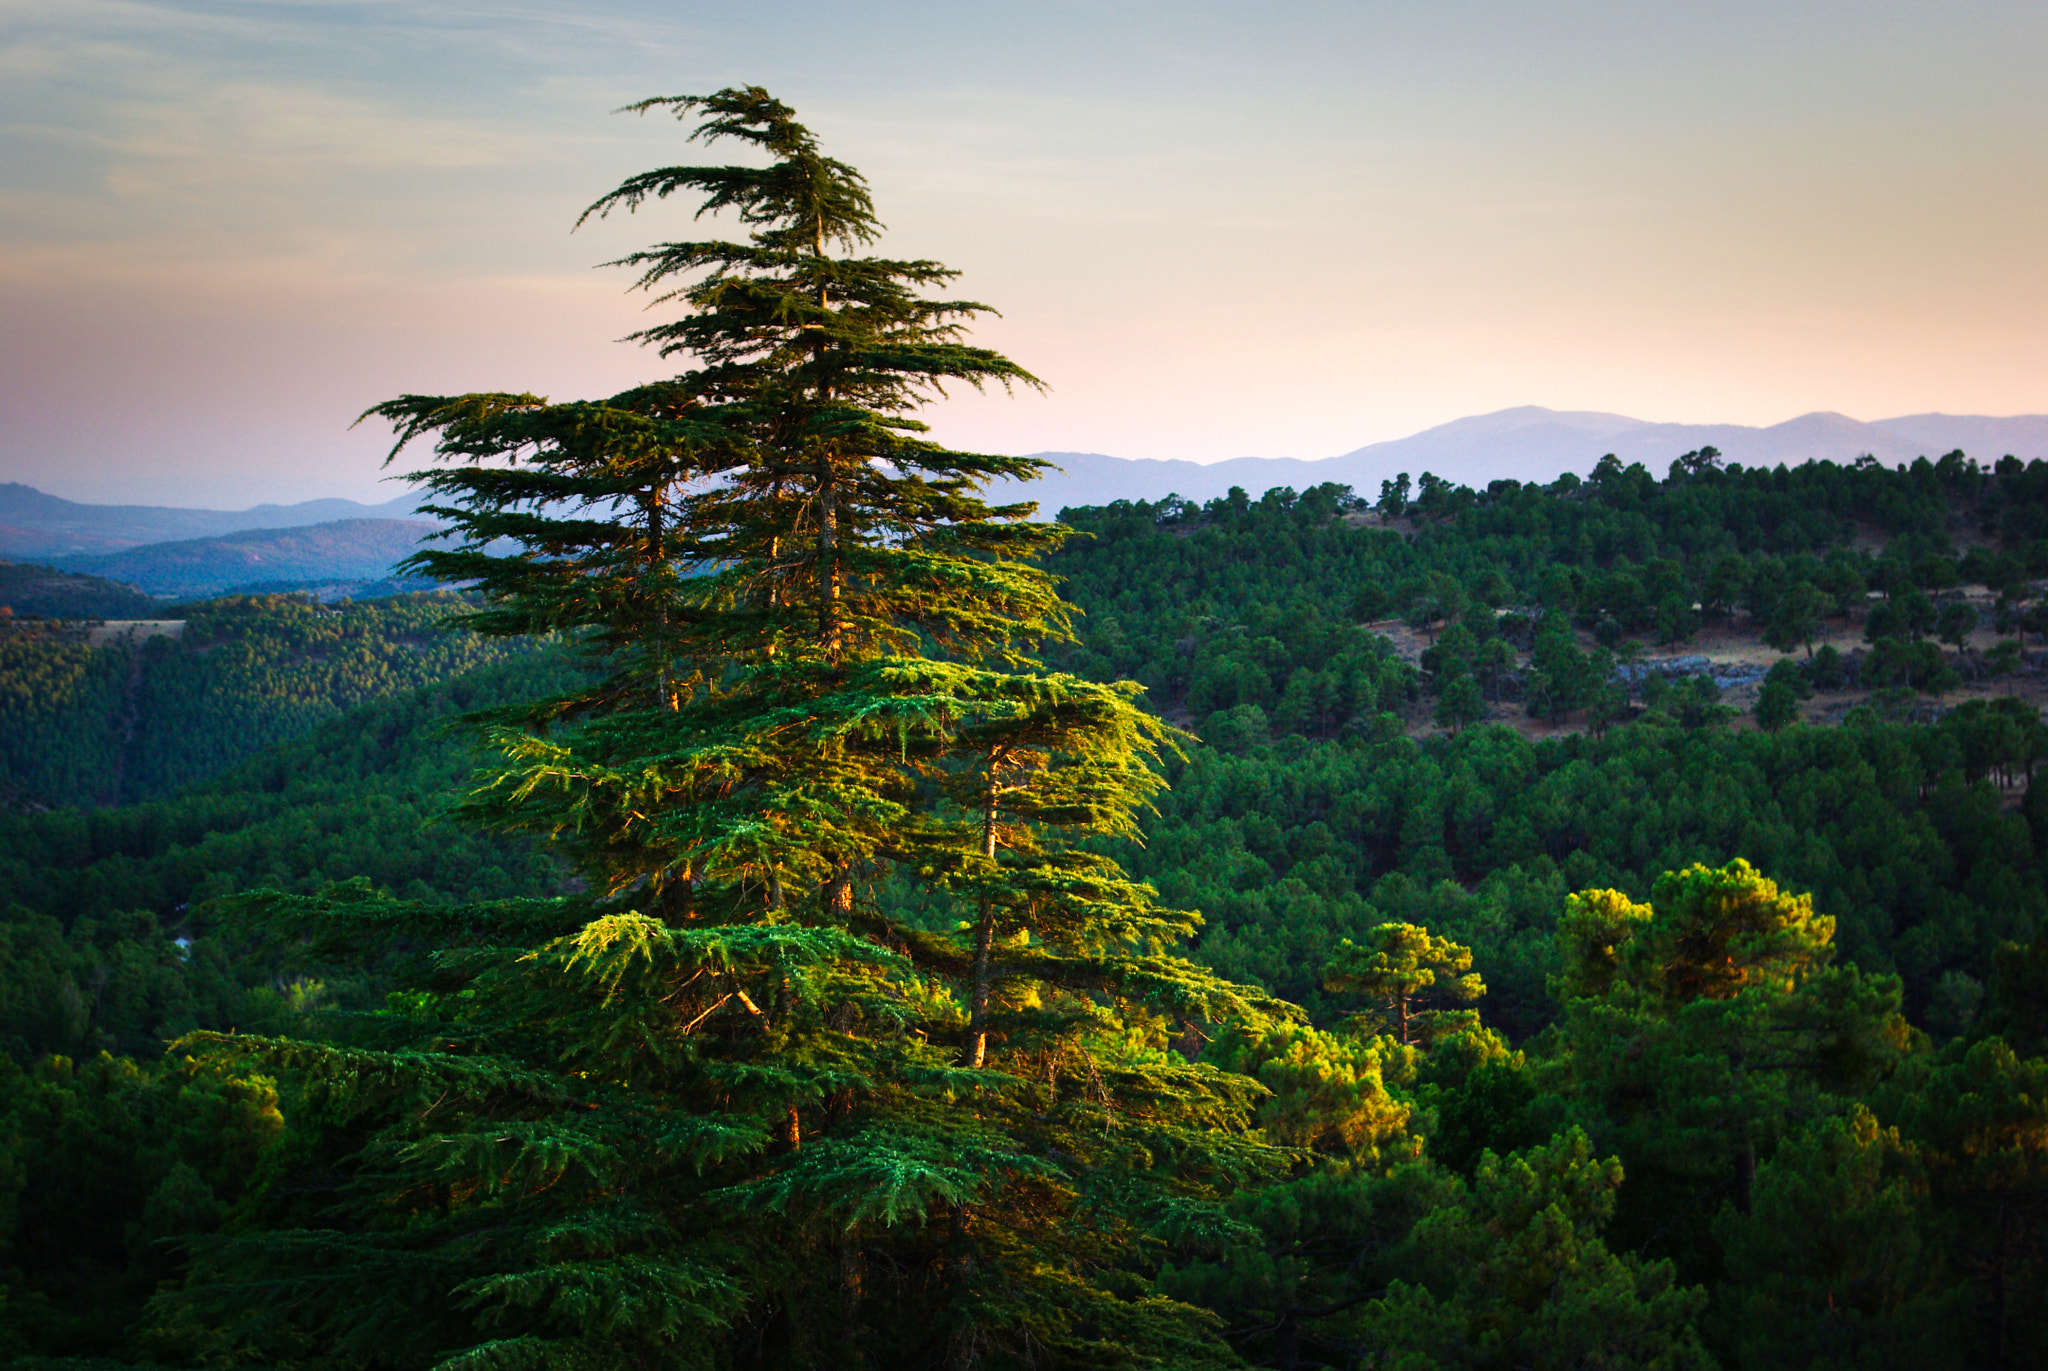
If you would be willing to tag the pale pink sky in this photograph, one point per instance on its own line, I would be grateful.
(1218, 230)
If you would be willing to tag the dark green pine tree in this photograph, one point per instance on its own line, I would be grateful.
(856, 1052)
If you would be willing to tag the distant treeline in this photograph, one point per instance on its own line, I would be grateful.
(1308, 817)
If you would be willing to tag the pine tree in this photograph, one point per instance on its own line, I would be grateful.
(1701, 1028)
(858, 1051)
(1397, 969)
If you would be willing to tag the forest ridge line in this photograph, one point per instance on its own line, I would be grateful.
(350, 548)
(1526, 442)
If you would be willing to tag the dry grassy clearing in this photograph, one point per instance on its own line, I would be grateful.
(1725, 645)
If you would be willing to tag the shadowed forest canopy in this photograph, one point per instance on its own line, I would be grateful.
(787, 911)
(93, 715)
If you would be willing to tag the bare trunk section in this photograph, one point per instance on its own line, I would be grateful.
(963, 1344)
(1287, 1343)
(678, 897)
(774, 591)
(829, 636)
(853, 1268)
(657, 558)
(984, 934)
(977, 1027)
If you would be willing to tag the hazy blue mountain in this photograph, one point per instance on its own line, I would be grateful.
(1532, 443)
(2025, 436)
(33, 524)
(346, 549)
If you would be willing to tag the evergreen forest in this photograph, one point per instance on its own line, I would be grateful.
(781, 906)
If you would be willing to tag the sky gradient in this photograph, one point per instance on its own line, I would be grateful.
(1216, 230)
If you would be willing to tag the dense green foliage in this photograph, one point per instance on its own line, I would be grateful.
(62, 704)
(94, 897)
(1903, 831)
(132, 719)
(105, 1167)
(1258, 603)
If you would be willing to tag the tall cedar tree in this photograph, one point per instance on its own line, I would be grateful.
(729, 1108)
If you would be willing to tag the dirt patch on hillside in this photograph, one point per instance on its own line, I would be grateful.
(1739, 658)
(135, 630)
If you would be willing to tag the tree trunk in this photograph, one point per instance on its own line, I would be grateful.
(664, 693)
(1287, 1343)
(774, 589)
(1999, 1302)
(984, 935)
(977, 1027)
(852, 1286)
(829, 636)
(678, 901)
(963, 1345)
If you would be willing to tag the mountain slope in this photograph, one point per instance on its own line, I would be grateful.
(33, 524)
(1526, 443)
(45, 592)
(1532, 443)
(347, 549)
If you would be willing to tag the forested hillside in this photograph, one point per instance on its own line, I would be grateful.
(1345, 784)
(43, 592)
(96, 715)
(1261, 602)
(109, 949)
(96, 897)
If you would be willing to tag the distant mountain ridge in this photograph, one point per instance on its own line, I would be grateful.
(35, 525)
(190, 552)
(1531, 443)
(345, 550)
